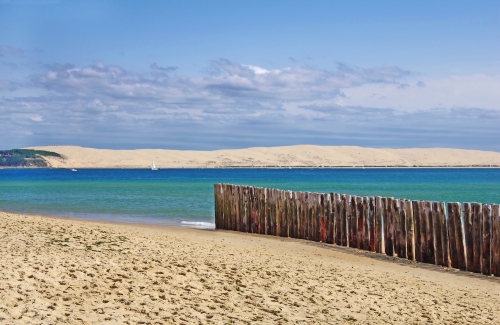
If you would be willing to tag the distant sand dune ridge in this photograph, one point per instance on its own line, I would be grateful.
(293, 156)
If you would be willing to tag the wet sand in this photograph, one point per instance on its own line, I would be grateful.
(65, 271)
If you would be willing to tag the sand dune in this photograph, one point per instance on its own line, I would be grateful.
(294, 156)
(62, 271)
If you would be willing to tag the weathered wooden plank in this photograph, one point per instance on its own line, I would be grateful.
(469, 240)
(317, 217)
(330, 219)
(353, 222)
(389, 241)
(452, 237)
(313, 230)
(323, 217)
(430, 233)
(371, 222)
(486, 232)
(379, 226)
(296, 212)
(445, 242)
(345, 219)
(495, 240)
(216, 199)
(359, 222)
(477, 215)
(366, 223)
(438, 240)
(423, 232)
(418, 227)
(459, 235)
(303, 216)
(289, 215)
(309, 202)
(403, 244)
(262, 211)
(396, 221)
(410, 231)
(395, 225)
(385, 222)
(338, 219)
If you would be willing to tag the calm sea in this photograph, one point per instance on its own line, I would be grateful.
(184, 197)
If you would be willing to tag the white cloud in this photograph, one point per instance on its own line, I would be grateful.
(237, 105)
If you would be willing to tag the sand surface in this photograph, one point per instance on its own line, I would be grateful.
(294, 156)
(63, 271)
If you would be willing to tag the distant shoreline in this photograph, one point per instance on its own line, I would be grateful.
(299, 156)
(271, 167)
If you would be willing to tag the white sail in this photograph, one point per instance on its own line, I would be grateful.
(153, 167)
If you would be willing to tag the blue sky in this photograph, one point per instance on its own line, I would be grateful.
(233, 74)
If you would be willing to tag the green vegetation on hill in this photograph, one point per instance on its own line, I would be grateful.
(25, 157)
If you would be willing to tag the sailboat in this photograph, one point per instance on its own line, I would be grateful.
(153, 167)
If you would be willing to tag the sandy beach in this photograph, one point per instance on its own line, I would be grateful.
(64, 271)
(288, 156)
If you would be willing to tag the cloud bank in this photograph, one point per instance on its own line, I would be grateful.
(240, 105)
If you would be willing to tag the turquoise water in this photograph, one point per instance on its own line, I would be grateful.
(184, 197)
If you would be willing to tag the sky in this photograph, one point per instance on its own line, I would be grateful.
(208, 75)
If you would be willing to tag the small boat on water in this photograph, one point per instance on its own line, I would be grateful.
(153, 167)
(73, 170)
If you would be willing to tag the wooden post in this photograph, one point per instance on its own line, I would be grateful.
(353, 223)
(338, 219)
(386, 211)
(486, 266)
(403, 245)
(396, 221)
(452, 237)
(495, 240)
(262, 210)
(445, 242)
(410, 231)
(469, 240)
(477, 214)
(423, 232)
(438, 240)
(296, 216)
(317, 217)
(359, 223)
(330, 219)
(345, 219)
(429, 232)
(389, 241)
(289, 213)
(366, 223)
(418, 227)
(459, 235)
(236, 205)
(379, 225)
(395, 225)
(371, 222)
(302, 214)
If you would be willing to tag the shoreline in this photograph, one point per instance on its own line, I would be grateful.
(175, 225)
(273, 167)
(69, 271)
(298, 156)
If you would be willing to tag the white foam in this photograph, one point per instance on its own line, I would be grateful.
(199, 224)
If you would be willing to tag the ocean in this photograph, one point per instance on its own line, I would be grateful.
(184, 197)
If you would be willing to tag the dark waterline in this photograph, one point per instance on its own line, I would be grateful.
(185, 196)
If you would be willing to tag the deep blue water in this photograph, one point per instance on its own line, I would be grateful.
(172, 196)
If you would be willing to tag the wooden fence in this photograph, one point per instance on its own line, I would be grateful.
(466, 237)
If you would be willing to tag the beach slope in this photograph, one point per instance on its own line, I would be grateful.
(293, 156)
(80, 272)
